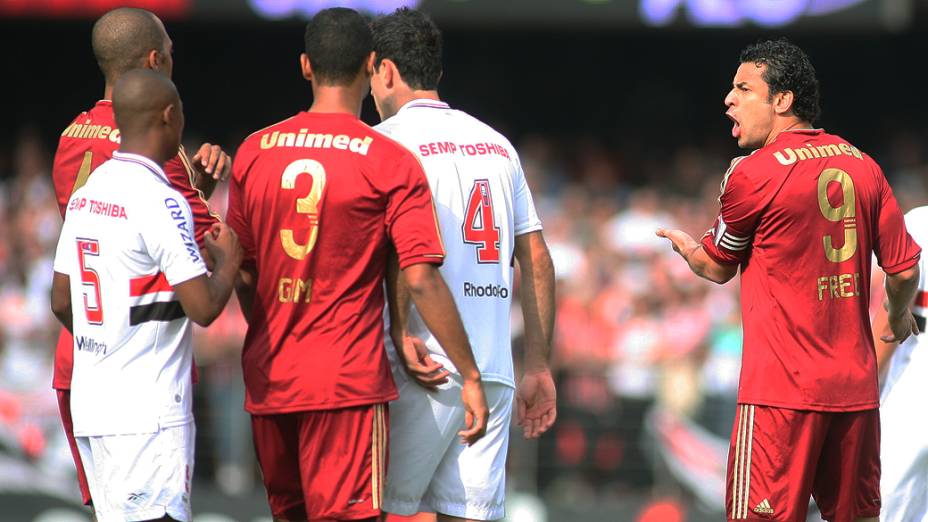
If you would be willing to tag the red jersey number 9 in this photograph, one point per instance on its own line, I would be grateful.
(90, 278)
(479, 224)
(308, 205)
(846, 213)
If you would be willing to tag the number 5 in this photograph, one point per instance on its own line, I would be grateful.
(89, 277)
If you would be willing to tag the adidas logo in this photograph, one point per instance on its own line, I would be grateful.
(764, 508)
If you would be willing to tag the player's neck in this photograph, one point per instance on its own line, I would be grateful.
(145, 148)
(786, 125)
(411, 95)
(108, 91)
(338, 99)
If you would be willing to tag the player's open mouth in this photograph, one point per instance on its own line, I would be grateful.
(736, 128)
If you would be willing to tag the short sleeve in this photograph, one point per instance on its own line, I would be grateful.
(894, 248)
(167, 233)
(66, 251)
(235, 215)
(525, 218)
(178, 170)
(729, 240)
(410, 217)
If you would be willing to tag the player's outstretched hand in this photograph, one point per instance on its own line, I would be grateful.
(419, 364)
(211, 164)
(222, 245)
(536, 401)
(681, 241)
(902, 327)
(476, 412)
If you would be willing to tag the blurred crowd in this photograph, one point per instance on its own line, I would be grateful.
(636, 332)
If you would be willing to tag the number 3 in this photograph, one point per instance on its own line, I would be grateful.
(847, 213)
(308, 204)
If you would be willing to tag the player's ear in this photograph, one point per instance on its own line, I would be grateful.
(306, 67)
(388, 73)
(783, 101)
(371, 60)
(167, 114)
(152, 60)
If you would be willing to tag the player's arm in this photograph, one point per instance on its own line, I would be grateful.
(61, 299)
(246, 286)
(411, 351)
(436, 306)
(900, 292)
(696, 257)
(536, 397)
(205, 296)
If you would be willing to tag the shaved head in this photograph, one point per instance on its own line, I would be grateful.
(123, 38)
(148, 111)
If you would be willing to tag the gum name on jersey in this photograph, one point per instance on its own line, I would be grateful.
(316, 141)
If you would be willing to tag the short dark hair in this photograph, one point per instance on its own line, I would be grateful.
(123, 37)
(413, 42)
(788, 69)
(338, 41)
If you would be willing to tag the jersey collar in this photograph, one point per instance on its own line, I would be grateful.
(425, 103)
(153, 167)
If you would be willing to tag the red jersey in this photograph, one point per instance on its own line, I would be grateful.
(316, 200)
(803, 216)
(85, 144)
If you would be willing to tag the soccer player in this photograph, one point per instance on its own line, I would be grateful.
(319, 200)
(123, 39)
(904, 446)
(486, 214)
(128, 275)
(802, 216)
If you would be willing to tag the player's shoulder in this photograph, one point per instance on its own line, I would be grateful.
(740, 168)
(253, 140)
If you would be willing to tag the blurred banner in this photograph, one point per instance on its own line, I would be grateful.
(812, 14)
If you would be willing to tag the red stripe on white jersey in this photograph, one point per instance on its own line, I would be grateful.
(149, 285)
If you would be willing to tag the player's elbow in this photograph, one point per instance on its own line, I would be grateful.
(422, 279)
(907, 277)
(61, 298)
(721, 274)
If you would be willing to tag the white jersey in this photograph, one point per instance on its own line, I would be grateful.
(127, 238)
(916, 221)
(904, 431)
(483, 203)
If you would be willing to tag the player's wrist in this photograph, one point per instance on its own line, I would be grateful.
(472, 377)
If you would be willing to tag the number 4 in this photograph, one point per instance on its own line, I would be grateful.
(479, 225)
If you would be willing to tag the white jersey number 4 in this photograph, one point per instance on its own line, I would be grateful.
(479, 224)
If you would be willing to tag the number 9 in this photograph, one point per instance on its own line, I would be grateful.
(847, 212)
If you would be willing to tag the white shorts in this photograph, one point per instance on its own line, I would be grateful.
(904, 436)
(430, 470)
(140, 477)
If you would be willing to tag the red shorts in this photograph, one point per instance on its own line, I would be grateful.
(780, 457)
(327, 464)
(64, 408)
